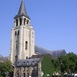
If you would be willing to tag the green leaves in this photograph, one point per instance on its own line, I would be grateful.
(69, 63)
(47, 66)
(5, 66)
(62, 64)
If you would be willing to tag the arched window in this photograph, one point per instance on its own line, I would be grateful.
(16, 22)
(20, 21)
(18, 32)
(26, 57)
(24, 20)
(26, 45)
(27, 21)
(16, 58)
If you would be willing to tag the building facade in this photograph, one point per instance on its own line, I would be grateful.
(28, 68)
(23, 46)
(22, 36)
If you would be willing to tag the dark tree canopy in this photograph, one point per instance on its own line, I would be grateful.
(5, 66)
(67, 63)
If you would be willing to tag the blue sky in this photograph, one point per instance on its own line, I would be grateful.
(54, 22)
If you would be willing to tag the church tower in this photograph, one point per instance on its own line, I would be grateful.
(22, 36)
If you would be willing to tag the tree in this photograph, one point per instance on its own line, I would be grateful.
(66, 63)
(47, 66)
(72, 62)
(5, 66)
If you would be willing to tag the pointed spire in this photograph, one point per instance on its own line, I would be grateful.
(22, 10)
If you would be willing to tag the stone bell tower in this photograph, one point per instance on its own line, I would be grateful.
(22, 36)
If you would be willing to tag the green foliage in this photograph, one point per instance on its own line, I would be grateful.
(1, 76)
(5, 66)
(47, 66)
(67, 63)
(63, 64)
(72, 62)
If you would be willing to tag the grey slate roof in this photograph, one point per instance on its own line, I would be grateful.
(40, 50)
(27, 62)
(53, 53)
(22, 10)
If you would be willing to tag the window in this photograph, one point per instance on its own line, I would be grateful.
(18, 32)
(27, 21)
(24, 20)
(16, 58)
(26, 45)
(26, 57)
(27, 74)
(20, 21)
(23, 74)
(16, 22)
